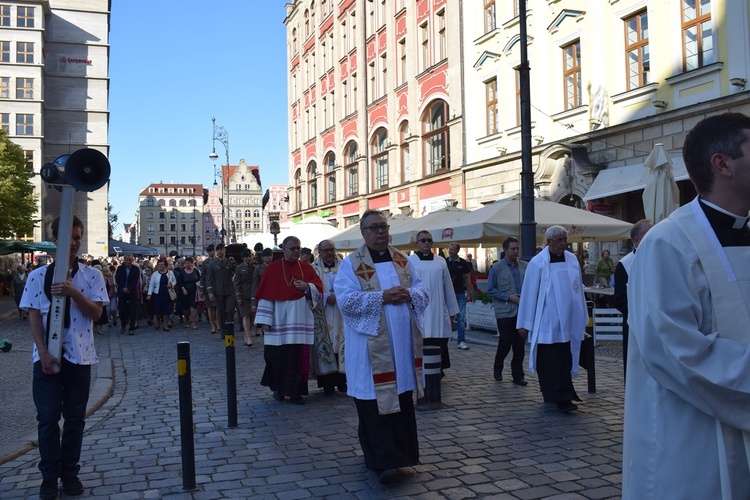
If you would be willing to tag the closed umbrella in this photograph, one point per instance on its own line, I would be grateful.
(661, 196)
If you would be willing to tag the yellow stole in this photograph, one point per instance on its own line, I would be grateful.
(379, 346)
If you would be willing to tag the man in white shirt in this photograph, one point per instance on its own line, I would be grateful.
(443, 306)
(687, 398)
(553, 310)
(61, 386)
(383, 302)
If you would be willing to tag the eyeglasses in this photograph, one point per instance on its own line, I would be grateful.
(426, 240)
(378, 228)
(559, 240)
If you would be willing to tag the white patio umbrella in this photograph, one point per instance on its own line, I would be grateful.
(350, 238)
(405, 234)
(661, 196)
(310, 231)
(491, 224)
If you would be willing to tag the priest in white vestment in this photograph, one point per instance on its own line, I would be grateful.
(288, 292)
(328, 360)
(443, 307)
(687, 398)
(383, 301)
(553, 311)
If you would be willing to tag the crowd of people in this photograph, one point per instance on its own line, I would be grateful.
(358, 325)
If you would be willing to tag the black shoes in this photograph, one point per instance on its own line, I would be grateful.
(329, 391)
(277, 396)
(386, 476)
(498, 376)
(566, 406)
(299, 400)
(72, 486)
(48, 490)
(520, 381)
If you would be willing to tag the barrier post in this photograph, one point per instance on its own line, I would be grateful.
(231, 374)
(186, 416)
(431, 362)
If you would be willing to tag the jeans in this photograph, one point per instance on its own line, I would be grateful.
(461, 299)
(63, 394)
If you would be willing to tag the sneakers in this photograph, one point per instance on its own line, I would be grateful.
(72, 486)
(463, 346)
(48, 489)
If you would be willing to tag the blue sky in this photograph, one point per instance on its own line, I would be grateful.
(175, 65)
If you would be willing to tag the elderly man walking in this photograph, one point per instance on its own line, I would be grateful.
(553, 309)
(328, 352)
(383, 302)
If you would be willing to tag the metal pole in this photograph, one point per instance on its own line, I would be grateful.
(231, 374)
(186, 416)
(528, 224)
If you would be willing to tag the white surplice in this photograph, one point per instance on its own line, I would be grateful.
(552, 305)
(435, 276)
(687, 398)
(361, 311)
(291, 321)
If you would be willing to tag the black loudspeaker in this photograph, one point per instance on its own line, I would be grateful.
(86, 170)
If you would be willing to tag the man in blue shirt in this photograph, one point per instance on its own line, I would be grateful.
(504, 286)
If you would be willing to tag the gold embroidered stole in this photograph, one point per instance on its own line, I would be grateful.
(323, 353)
(379, 346)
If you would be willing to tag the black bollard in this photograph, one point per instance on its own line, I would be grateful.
(231, 375)
(587, 359)
(431, 362)
(186, 416)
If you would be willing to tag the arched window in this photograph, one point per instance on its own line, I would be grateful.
(312, 182)
(172, 202)
(247, 213)
(435, 137)
(350, 169)
(403, 134)
(256, 213)
(298, 189)
(150, 202)
(183, 203)
(294, 41)
(330, 165)
(307, 23)
(161, 203)
(238, 213)
(379, 159)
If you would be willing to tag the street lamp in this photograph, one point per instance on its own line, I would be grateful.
(273, 226)
(220, 134)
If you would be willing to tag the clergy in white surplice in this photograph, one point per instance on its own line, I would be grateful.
(687, 397)
(328, 360)
(383, 302)
(553, 311)
(288, 292)
(443, 307)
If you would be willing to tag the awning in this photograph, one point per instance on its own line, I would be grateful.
(619, 180)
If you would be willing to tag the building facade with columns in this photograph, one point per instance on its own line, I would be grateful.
(170, 218)
(54, 94)
(431, 99)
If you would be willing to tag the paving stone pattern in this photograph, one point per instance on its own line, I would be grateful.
(494, 440)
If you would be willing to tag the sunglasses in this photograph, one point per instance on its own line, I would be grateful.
(426, 240)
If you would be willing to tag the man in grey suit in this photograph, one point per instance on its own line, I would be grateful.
(504, 286)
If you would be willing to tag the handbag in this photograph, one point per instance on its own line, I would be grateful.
(172, 293)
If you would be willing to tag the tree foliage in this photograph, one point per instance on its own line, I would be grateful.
(112, 221)
(17, 200)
